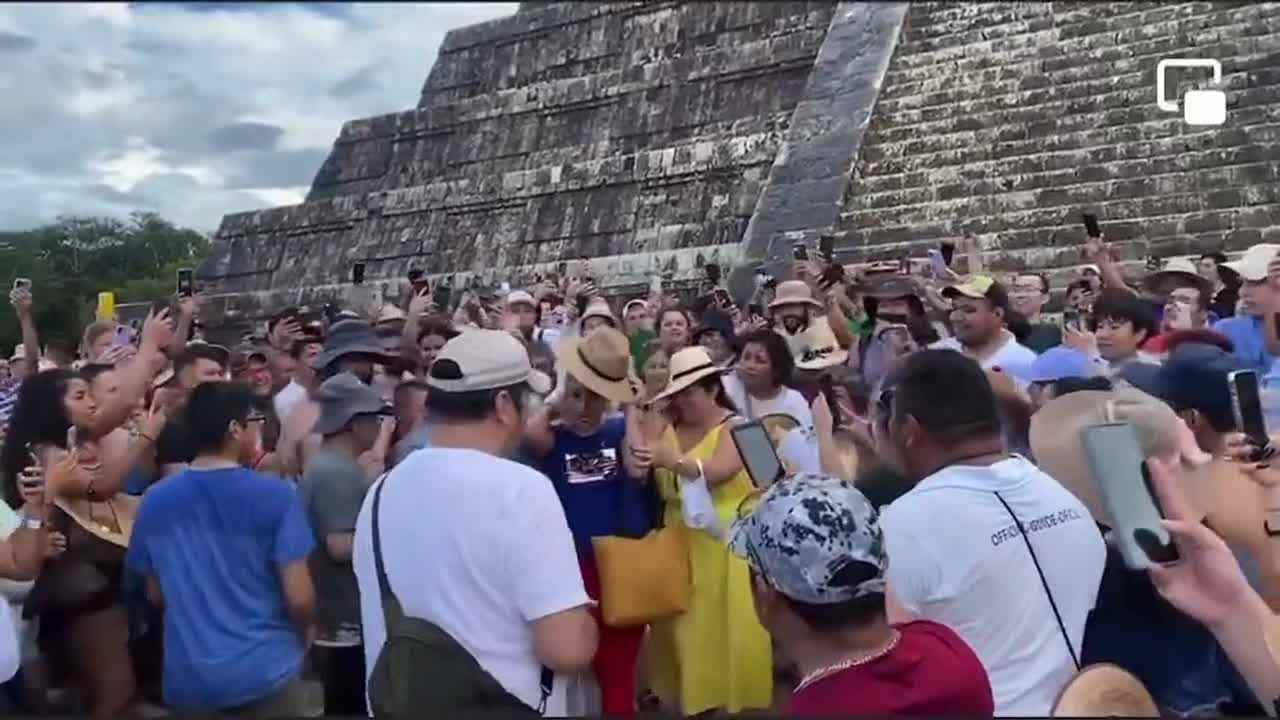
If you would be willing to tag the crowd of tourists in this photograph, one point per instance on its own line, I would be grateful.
(548, 500)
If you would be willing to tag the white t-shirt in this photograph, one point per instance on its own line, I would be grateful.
(788, 402)
(288, 398)
(1010, 355)
(478, 545)
(956, 557)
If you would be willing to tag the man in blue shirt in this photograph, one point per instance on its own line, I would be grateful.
(224, 550)
(1256, 295)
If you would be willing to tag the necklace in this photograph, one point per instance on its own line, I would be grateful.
(848, 663)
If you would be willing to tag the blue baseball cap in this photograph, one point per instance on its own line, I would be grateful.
(1194, 376)
(1056, 363)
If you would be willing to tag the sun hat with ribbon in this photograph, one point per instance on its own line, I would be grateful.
(688, 366)
(602, 363)
(793, 292)
(599, 307)
(817, 347)
(1252, 266)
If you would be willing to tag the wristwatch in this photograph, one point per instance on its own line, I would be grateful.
(32, 523)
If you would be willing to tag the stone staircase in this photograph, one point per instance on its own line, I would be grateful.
(1008, 120)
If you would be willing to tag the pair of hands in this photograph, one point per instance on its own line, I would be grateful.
(650, 448)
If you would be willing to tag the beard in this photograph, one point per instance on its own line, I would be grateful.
(793, 324)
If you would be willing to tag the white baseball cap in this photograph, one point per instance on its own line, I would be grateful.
(487, 359)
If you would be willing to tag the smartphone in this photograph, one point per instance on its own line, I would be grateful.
(800, 252)
(723, 299)
(1071, 319)
(827, 248)
(1091, 227)
(1120, 473)
(505, 287)
(123, 336)
(948, 250)
(758, 454)
(186, 282)
(755, 310)
(1246, 401)
(937, 264)
(713, 273)
(357, 273)
(829, 392)
(72, 438)
(22, 283)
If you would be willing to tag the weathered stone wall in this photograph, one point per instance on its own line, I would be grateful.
(655, 136)
(638, 134)
(1009, 120)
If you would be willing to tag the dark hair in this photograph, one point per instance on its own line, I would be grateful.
(436, 326)
(462, 407)
(198, 351)
(289, 312)
(91, 371)
(1066, 386)
(1081, 284)
(776, 348)
(676, 309)
(1217, 257)
(713, 385)
(857, 612)
(1044, 280)
(947, 393)
(211, 410)
(39, 417)
(1123, 306)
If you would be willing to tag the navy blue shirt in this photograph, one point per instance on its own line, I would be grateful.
(598, 497)
(216, 540)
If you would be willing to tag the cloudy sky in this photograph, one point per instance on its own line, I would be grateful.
(193, 110)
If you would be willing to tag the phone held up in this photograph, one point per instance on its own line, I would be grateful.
(1120, 472)
(800, 252)
(1246, 403)
(357, 273)
(186, 282)
(827, 248)
(22, 283)
(1091, 227)
(758, 454)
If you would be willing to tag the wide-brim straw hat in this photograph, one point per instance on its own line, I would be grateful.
(1104, 690)
(599, 307)
(688, 366)
(1181, 268)
(793, 292)
(818, 348)
(602, 363)
(1058, 448)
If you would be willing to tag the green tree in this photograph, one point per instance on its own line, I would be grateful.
(73, 259)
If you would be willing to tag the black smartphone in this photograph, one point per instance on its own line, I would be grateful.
(758, 454)
(357, 273)
(22, 283)
(800, 252)
(1071, 319)
(722, 298)
(829, 392)
(827, 248)
(755, 310)
(186, 282)
(713, 273)
(1246, 401)
(1091, 227)
(1120, 473)
(948, 250)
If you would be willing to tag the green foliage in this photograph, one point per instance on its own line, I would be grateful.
(70, 261)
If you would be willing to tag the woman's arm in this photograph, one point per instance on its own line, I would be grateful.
(720, 468)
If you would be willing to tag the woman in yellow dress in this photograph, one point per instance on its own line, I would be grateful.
(714, 656)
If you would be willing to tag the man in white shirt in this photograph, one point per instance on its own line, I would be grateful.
(304, 351)
(978, 309)
(473, 542)
(983, 542)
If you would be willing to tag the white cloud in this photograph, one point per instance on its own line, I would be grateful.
(117, 107)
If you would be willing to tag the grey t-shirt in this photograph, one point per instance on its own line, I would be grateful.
(333, 488)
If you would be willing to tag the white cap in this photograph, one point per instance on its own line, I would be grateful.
(487, 359)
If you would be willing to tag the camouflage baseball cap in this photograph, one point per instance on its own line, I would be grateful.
(805, 532)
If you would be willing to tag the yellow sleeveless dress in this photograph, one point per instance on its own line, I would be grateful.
(716, 655)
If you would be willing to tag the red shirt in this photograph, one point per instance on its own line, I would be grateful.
(930, 672)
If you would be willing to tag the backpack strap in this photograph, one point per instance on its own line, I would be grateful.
(393, 613)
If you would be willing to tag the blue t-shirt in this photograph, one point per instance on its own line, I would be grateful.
(598, 497)
(215, 540)
(1245, 332)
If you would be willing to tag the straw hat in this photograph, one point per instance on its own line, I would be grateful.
(1182, 268)
(1058, 449)
(818, 348)
(390, 314)
(688, 366)
(793, 292)
(601, 362)
(599, 307)
(1104, 690)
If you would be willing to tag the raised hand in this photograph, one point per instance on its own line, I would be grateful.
(157, 330)
(22, 301)
(421, 304)
(823, 422)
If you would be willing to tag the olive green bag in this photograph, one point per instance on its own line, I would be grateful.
(422, 671)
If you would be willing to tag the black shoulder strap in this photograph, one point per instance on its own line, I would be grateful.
(393, 613)
(1062, 627)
